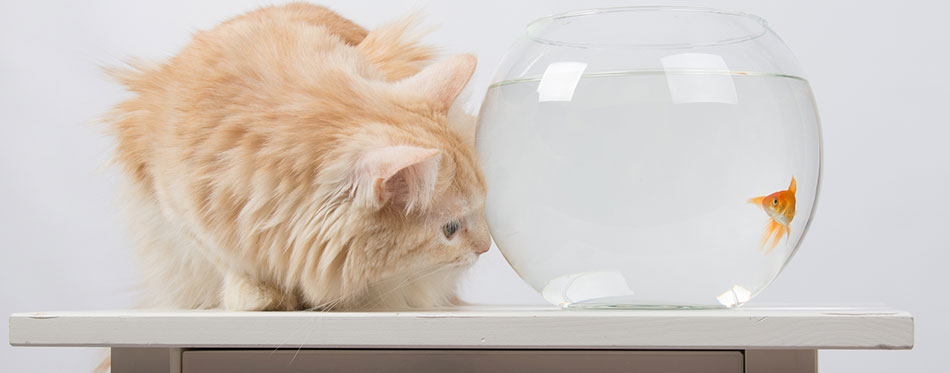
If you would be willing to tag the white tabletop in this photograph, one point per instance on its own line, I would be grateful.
(476, 327)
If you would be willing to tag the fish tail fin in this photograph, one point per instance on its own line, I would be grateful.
(793, 186)
(756, 200)
(779, 231)
(767, 234)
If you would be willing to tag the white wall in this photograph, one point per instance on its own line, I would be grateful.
(877, 71)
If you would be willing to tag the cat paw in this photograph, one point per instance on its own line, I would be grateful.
(242, 294)
(455, 301)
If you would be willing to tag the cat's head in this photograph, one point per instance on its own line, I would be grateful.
(414, 193)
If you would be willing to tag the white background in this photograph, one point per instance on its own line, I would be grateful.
(877, 68)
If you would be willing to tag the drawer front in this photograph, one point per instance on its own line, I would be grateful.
(493, 361)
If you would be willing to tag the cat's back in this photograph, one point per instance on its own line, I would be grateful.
(249, 75)
(269, 51)
(307, 14)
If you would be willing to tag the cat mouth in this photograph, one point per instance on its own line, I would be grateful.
(464, 261)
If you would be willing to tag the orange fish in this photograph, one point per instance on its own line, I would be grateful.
(781, 209)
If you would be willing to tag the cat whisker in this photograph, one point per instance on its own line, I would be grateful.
(415, 277)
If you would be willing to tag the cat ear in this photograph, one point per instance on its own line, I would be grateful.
(399, 174)
(442, 82)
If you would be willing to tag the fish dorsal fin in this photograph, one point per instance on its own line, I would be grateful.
(792, 186)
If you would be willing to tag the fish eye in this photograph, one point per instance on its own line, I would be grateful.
(450, 228)
(774, 201)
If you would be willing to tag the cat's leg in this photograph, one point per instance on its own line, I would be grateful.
(244, 294)
(176, 273)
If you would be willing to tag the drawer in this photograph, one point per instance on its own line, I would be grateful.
(423, 360)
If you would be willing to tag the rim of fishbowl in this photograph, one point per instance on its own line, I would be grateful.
(543, 21)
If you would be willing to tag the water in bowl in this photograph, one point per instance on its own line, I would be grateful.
(632, 189)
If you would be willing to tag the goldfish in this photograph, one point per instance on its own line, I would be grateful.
(780, 206)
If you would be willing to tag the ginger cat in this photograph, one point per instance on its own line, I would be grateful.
(288, 159)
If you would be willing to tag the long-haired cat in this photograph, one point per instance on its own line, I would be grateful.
(288, 159)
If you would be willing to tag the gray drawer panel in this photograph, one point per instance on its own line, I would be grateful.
(492, 361)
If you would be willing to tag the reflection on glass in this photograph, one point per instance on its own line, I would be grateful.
(699, 77)
(559, 81)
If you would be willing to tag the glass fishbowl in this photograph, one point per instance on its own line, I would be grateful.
(649, 157)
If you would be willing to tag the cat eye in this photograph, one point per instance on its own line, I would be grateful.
(450, 228)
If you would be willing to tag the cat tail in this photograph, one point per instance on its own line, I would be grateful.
(105, 365)
(395, 49)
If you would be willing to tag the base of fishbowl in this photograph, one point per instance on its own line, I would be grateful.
(626, 303)
(608, 289)
(621, 306)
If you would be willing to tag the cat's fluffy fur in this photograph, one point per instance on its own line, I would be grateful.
(289, 159)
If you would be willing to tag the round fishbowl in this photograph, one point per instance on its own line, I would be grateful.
(649, 157)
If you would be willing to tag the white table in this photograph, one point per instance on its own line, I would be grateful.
(472, 339)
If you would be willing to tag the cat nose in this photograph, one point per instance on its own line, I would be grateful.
(481, 248)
